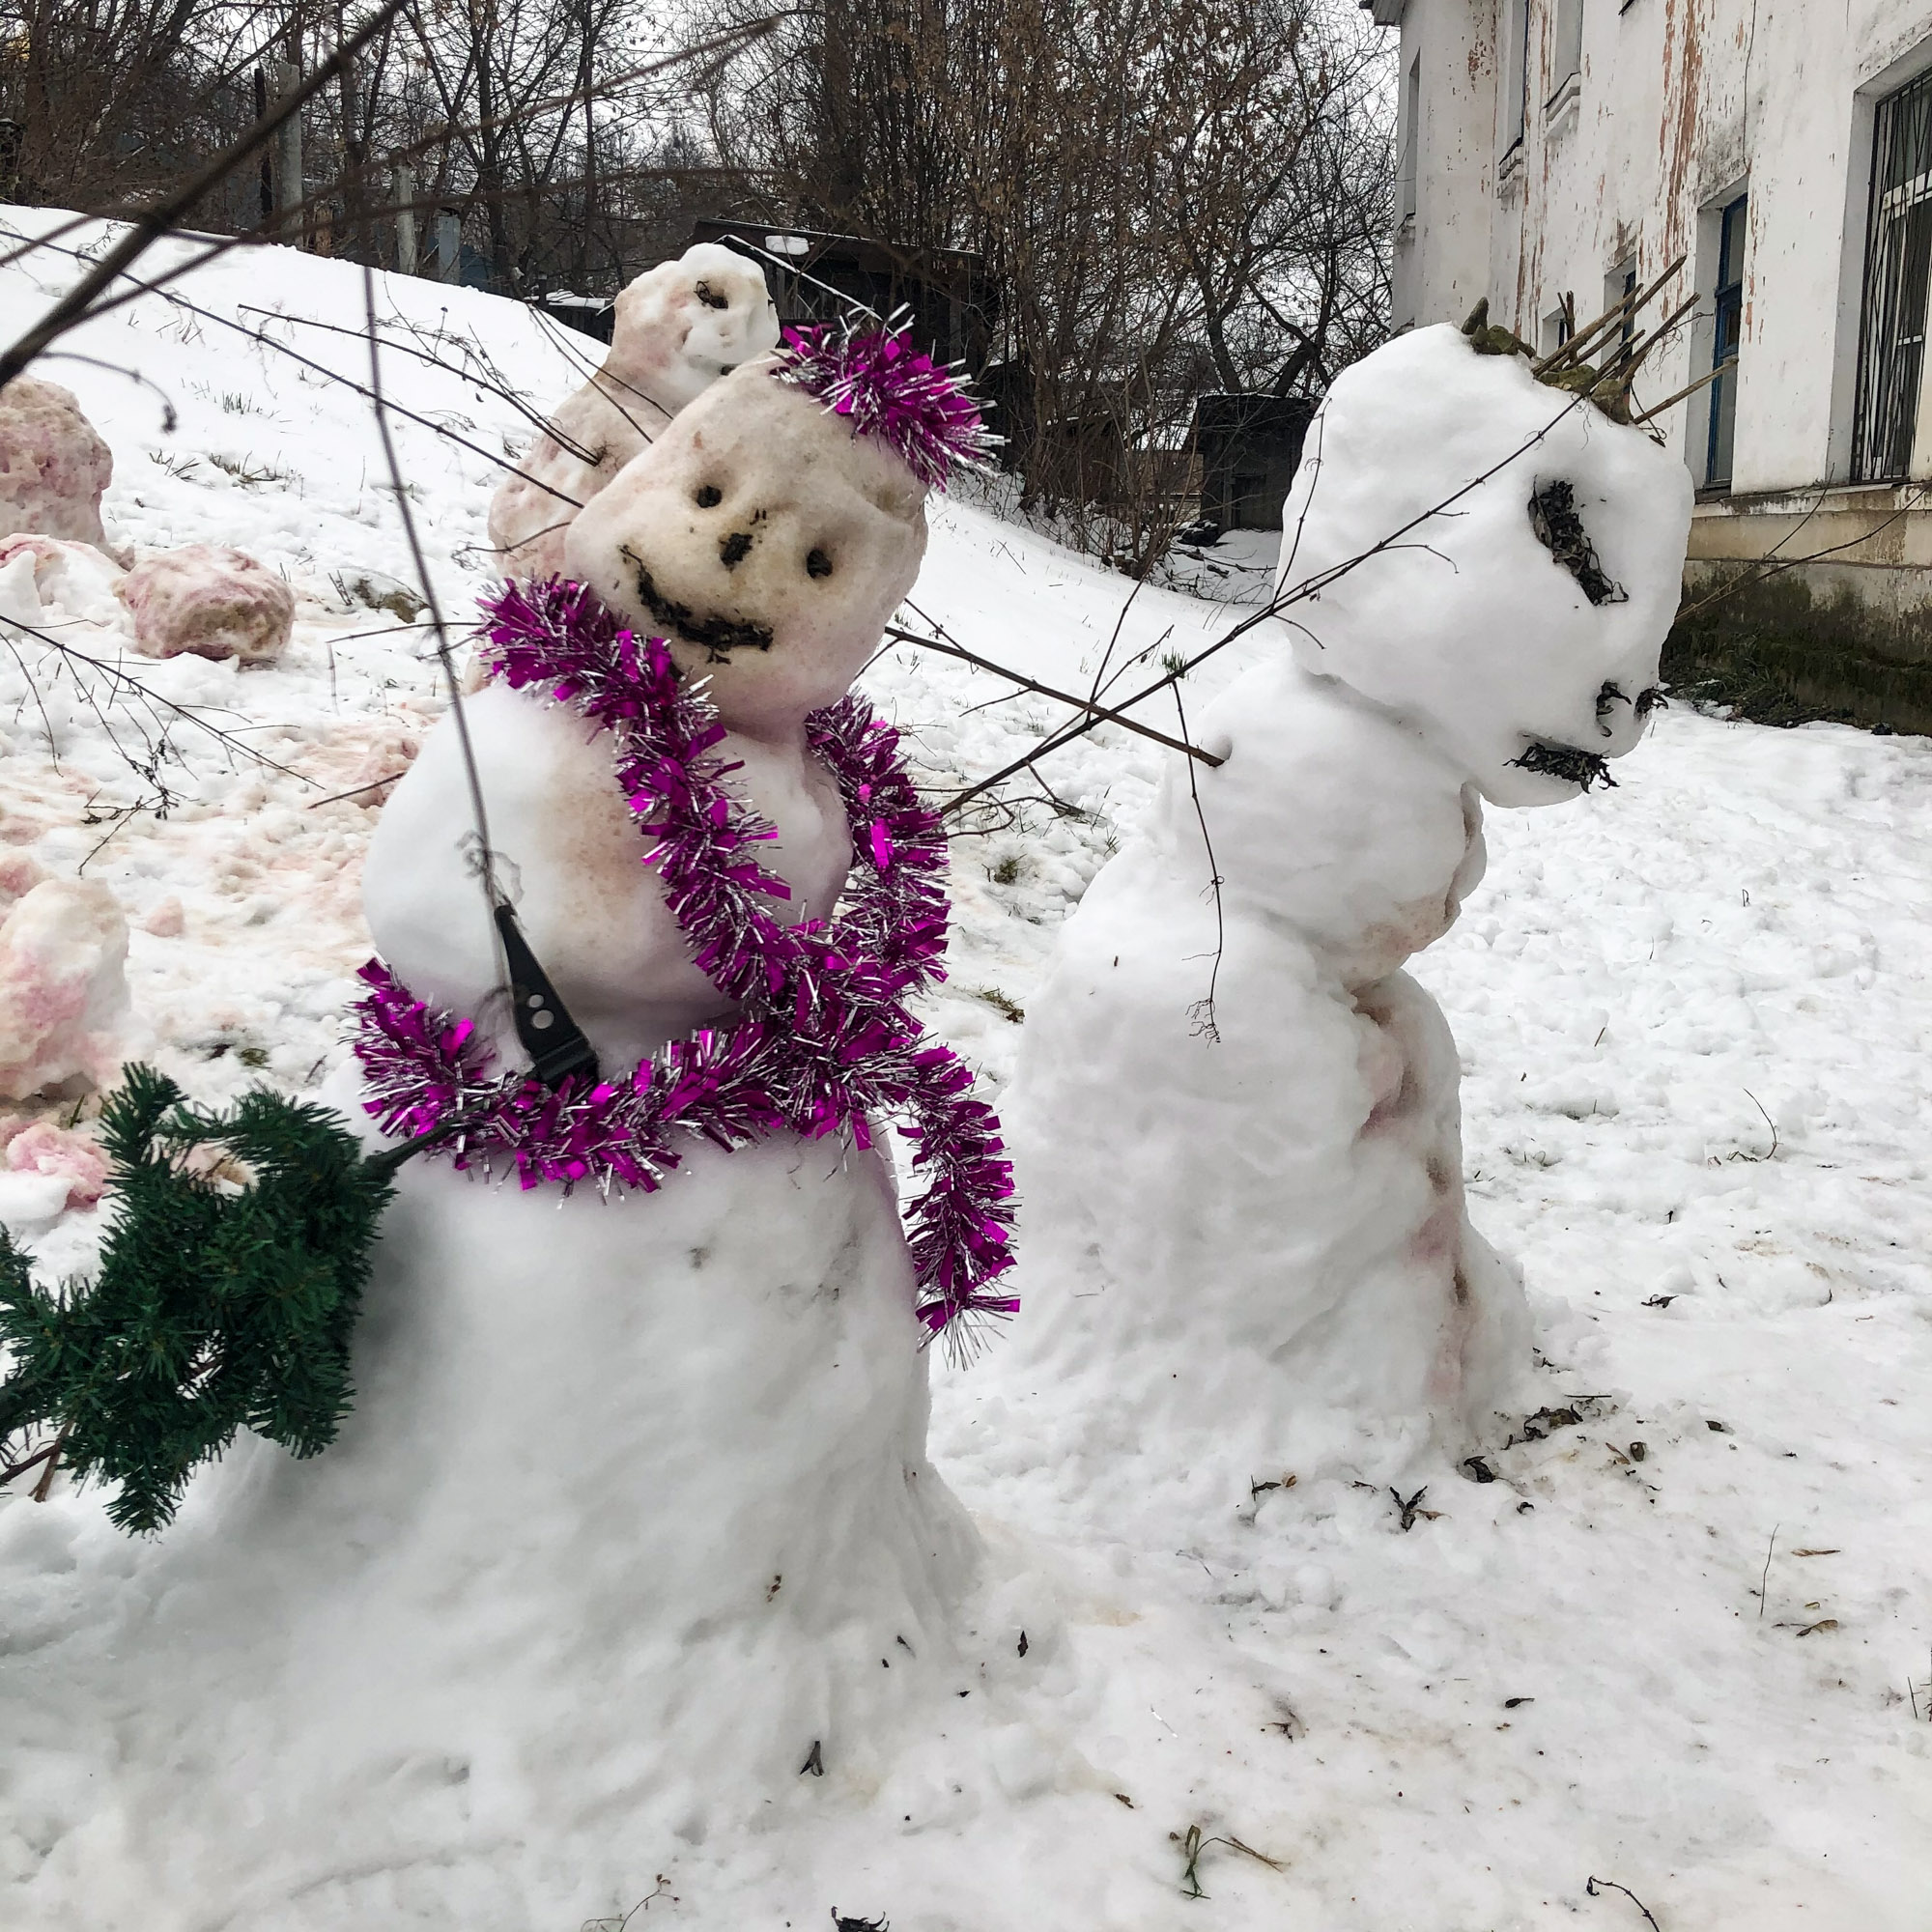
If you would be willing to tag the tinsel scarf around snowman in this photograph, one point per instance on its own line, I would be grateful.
(825, 1042)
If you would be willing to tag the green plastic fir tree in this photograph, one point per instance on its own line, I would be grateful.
(227, 1293)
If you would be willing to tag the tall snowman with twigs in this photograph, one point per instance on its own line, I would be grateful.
(1236, 1122)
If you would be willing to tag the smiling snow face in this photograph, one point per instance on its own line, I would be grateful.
(763, 541)
(1516, 626)
(688, 322)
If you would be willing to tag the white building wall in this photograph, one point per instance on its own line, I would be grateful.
(1679, 106)
(1442, 267)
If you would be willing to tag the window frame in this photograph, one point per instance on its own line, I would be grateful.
(1727, 334)
(1888, 420)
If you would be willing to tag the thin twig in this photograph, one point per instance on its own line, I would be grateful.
(26, 1462)
(946, 648)
(1688, 389)
(1744, 581)
(490, 382)
(262, 337)
(1309, 588)
(355, 791)
(1202, 1012)
(1623, 363)
(43, 1488)
(169, 418)
(227, 739)
(486, 858)
(1630, 305)
(1764, 1581)
(1590, 1886)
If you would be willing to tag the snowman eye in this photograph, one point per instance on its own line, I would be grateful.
(710, 296)
(707, 496)
(1560, 530)
(818, 563)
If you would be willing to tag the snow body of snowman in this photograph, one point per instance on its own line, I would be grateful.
(630, 1533)
(1236, 1126)
(677, 330)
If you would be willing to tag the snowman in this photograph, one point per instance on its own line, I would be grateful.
(1235, 1122)
(631, 1531)
(688, 1255)
(677, 330)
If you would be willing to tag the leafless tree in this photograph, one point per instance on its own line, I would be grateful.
(1169, 195)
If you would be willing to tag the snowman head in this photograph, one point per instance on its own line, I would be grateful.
(774, 526)
(682, 325)
(1531, 563)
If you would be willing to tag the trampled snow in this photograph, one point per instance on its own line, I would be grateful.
(1692, 1014)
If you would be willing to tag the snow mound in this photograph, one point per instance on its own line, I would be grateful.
(53, 464)
(208, 603)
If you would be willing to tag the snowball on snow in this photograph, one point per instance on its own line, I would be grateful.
(76, 578)
(53, 464)
(72, 1156)
(209, 602)
(19, 873)
(167, 920)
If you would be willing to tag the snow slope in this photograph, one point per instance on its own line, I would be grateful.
(1562, 1675)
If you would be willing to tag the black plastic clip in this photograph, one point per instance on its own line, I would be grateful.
(554, 1043)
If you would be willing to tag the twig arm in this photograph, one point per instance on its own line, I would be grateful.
(1098, 712)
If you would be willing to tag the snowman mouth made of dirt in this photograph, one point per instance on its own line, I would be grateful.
(717, 635)
(1551, 758)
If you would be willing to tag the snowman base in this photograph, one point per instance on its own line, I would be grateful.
(631, 1539)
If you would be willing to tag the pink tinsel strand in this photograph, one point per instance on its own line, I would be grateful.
(890, 389)
(827, 1040)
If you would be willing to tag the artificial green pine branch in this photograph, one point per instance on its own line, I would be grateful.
(223, 1300)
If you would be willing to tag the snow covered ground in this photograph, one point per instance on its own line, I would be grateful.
(1694, 1016)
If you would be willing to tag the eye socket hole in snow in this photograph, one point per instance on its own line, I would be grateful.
(1559, 528)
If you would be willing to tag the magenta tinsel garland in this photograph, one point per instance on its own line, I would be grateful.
(892, 390)
(826, 1039)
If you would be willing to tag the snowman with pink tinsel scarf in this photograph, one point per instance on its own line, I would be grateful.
(638, 1440)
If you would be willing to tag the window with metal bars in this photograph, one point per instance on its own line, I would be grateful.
(1898, 253)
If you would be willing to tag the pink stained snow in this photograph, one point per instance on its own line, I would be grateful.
(206, 601)
(54, 464)
(45, 1148)
(63, 988)
(1741, 925)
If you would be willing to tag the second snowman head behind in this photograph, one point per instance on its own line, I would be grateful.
(771, 530)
